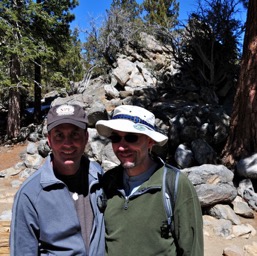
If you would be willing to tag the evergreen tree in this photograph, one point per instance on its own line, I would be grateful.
(49, 25)
(68, 67)
(162, 12)
(208, 45)
(242, 142)
(118, 31)
(129, 6)
(11, 41)
(31, 33)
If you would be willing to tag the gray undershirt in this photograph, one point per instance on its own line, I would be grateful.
(132, 183)
(85, 214)
(78, 187)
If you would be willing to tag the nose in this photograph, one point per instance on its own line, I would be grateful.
(67, 140)
(121, 145)
(121, 148)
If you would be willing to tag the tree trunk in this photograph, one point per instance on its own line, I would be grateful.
(37, 91)
(242, 140)
(13, 119)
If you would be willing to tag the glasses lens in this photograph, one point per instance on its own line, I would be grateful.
(115, 138)
(131, 138)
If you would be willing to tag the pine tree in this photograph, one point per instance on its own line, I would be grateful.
(129, 6)
(11, 40)
(207, 47)
(242, 142)
(49, 26)
(120, 29)
(162, 12)
(31, 33)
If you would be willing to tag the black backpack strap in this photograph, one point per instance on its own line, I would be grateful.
(170, 187)
(102, 198)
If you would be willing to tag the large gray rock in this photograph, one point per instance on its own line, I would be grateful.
(133, 74)
(213, 183)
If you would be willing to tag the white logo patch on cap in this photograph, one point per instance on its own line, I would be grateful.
(65, 110)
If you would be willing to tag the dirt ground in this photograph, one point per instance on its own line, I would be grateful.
(213, 245)
(10, 155)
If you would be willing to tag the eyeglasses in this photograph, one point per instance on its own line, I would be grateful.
(130, 138)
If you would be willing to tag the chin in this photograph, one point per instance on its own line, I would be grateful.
(128, 165)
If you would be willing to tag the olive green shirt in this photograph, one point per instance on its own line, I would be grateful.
(133, 223)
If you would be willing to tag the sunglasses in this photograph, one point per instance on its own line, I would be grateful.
(130, 138)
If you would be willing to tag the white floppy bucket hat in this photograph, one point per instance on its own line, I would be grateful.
(131, 119)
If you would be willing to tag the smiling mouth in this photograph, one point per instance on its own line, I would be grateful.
(68, 152)
(125, 155)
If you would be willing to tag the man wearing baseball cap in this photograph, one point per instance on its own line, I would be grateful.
(55, 211)
(135, 216)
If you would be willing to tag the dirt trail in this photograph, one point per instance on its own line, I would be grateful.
(10, 155)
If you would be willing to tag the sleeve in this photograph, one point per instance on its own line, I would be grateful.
(188, 219)
(24, 232)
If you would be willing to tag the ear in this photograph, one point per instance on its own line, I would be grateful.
(49, 139)
(151, 143)
(87, 136)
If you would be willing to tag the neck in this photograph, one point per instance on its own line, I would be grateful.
(68, 169)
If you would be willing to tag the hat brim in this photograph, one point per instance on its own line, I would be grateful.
(106, 127)
(79, 124)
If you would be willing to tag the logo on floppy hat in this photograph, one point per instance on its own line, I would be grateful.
(70, 114)
(131, 119)
(139, 127)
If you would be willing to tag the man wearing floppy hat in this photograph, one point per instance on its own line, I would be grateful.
(135, 215)
(55, 211)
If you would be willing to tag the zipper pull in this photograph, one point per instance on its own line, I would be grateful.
(126, 203)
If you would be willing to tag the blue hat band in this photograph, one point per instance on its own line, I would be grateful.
(134, 119)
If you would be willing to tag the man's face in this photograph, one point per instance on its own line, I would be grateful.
(132, 153)
(68, 144)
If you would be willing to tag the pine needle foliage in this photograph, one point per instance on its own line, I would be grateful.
(162, 12)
